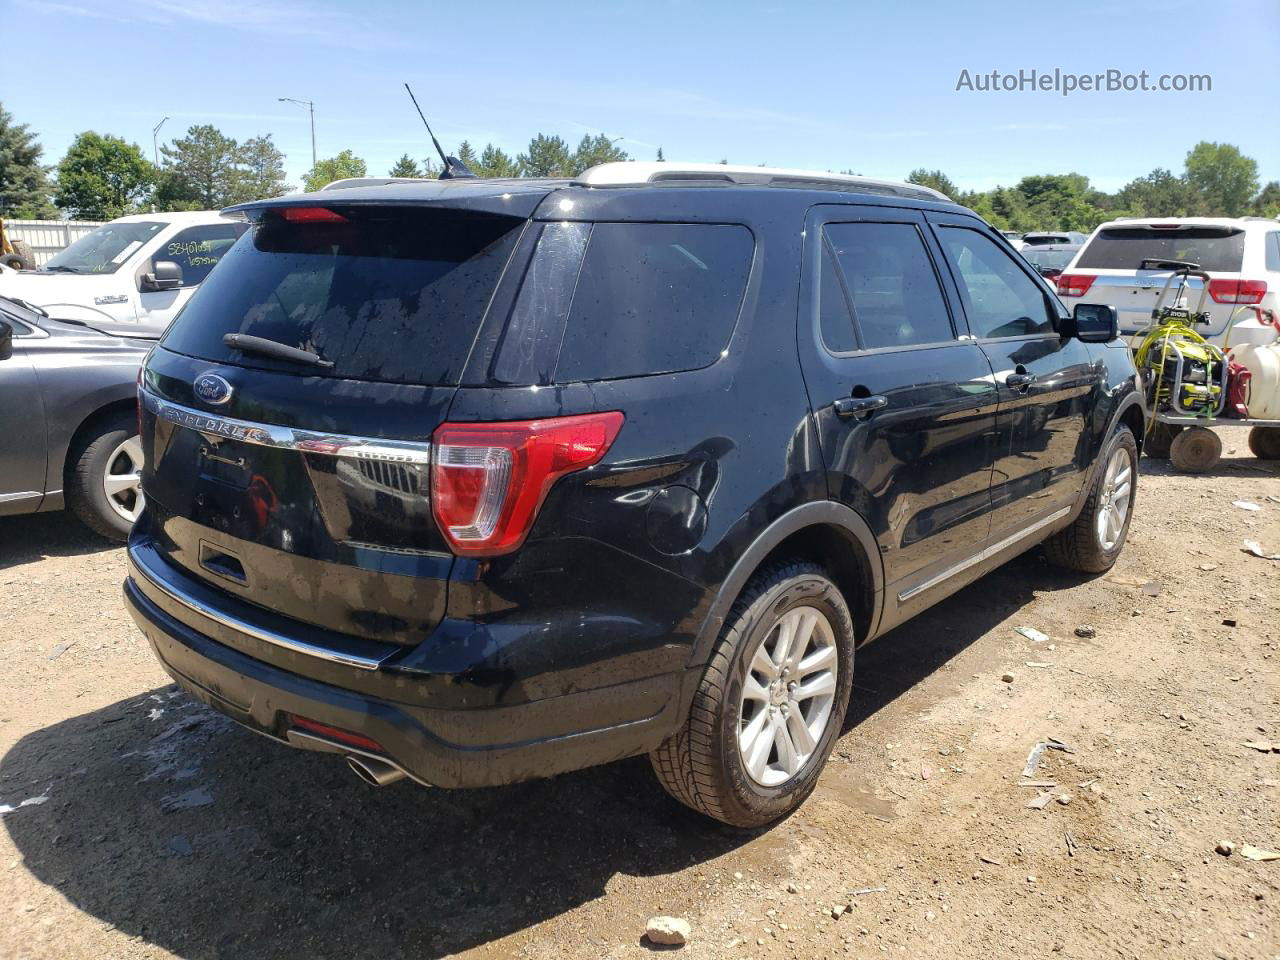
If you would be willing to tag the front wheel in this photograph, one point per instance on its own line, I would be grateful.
(1093, 542)
(1195, 450)
(771, 703)
(1265, 442)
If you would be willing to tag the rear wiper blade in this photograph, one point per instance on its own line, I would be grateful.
(271, 348)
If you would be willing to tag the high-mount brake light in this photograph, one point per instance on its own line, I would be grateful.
(1074, 284)
(311, 215)
(488, 480)
(1237, 291)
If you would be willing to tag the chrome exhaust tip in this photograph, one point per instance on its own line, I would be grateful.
(377, 773)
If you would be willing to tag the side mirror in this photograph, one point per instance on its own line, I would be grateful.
(1095, 322)
(6, 340)
(167, 276)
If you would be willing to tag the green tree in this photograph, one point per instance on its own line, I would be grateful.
(660, 158)
(546, 157)
(201, 171)
(406, 166)
(345, 164)
(935, 180)
(103, 177)
(1267, 203)
(1224, 177)
(494, 162)
(24, 182)
(595, 150)
(261, 171)
(467, 154)
(1159, 194)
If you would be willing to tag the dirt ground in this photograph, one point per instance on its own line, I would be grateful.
(153, 828)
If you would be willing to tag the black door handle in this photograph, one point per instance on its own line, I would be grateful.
(859, 406)
(1017, 380)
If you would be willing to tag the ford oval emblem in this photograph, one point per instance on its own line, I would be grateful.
(212, 389)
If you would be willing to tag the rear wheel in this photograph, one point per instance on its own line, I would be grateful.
(1159, 439)
(771, 703)
(23, 251)
(1092, 543)
(1195, 450)
(1265, 442)
(104, 486)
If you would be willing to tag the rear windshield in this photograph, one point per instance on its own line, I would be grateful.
(1049, 259)
(386, 294)
(649, 298)
(1124, 248)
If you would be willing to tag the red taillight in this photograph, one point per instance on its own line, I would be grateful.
(1074, 284)
(489, 479)
(1237, 291)
(335, 733)
(311, 215)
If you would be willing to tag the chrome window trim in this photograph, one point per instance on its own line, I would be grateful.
(288, 438)
(138, 569)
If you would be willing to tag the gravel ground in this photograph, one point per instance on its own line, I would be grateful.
(153, 828)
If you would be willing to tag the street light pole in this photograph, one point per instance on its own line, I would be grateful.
(155, 144)
(311, 108)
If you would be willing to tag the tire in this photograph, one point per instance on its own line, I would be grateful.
(112, 448)
(13, 261)
(23, 251)
(1265, 442)
(702, 764)
(1159, 439)
(1086, 546)
(1195, 450)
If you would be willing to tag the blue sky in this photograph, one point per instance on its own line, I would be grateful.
(869, 86)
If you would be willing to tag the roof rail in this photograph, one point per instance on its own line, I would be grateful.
(633, 172)
(370, 182)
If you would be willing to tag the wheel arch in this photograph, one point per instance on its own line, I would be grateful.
(822, 531)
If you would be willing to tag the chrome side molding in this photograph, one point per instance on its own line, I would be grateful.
(981, 555)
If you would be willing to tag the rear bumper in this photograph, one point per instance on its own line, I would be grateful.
(483, 746)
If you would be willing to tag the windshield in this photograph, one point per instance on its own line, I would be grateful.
(104, 250)
(391, 294)
(1124, 248)
(1049, 259)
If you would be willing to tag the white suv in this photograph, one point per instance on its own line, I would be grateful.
(1126, 263)
(140, 269)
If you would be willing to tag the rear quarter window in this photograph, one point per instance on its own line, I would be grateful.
(649, 298)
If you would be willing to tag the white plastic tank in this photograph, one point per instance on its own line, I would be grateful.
(1263, 361)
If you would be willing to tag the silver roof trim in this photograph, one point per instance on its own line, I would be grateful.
(633, 173)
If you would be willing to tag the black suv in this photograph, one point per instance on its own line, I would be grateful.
(474, 481)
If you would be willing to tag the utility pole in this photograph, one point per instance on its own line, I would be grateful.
(155, 143)
(311, 108)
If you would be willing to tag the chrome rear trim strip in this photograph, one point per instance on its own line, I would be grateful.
(982, 555)
(139, 569)
(288, 438)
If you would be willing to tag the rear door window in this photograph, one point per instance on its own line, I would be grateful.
(654, 298)
(897, 301)
(1219, 249)
(392, 294)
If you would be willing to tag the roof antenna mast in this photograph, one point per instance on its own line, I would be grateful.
(454, 168)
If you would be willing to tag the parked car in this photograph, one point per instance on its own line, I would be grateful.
(473, 481)
(140, 269)
(1041, 239)
(1051, 258)
(1127, 263)
(68, 419)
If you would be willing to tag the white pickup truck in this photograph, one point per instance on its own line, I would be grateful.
(139, 269)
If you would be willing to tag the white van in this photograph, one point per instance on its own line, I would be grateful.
(1126, 263)
(139, 269)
